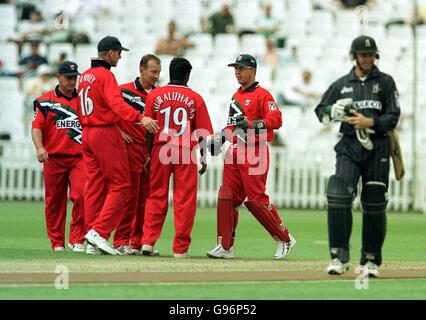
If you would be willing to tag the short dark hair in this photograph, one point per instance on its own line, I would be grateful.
(179, 69)
(148, 57)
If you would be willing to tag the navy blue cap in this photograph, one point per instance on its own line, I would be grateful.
(68, 68)
(245, 61)
(110, 43)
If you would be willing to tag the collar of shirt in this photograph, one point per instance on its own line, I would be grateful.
(373, 74)
(100, 63)
(59, 94)
(249, 88)
(177, 83)
(139, 87)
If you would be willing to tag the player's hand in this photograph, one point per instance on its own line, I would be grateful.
(241, 122)
(147, 164)
(127, 138)
(203, 168)
(359, 121)
(42, 155)
(150, 124)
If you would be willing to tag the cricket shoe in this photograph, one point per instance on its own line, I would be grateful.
(370, 269)
(337, 267)
(135, 251)
(102, 244)
(220, 253)
(92, 250)
(59, 249)
(124, 250)
(182, 255)
(284, 248)
(148, 250)
(76, 247)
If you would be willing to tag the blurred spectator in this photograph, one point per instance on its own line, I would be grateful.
(171, 44)
(34, 89)
(83, 8)
(271, 58)
(32, 29)
(24, 9)
(83, 15)
(63, 56)
(221, 22)
(4, 72)
(417, 15)
(32, 61)
(290, 57)
(351, 4)
(302, 92)
(60, 32)
(267, 24)
(413, 16)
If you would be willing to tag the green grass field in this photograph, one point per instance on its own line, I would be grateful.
(24, 247)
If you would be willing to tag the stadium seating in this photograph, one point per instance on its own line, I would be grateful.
(322, 37)
(56, 49)
(7, 21)
(9, 55)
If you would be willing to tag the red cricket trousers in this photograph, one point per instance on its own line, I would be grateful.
(61, 172)
(136, 228)
(107, 189)
(129, 228)
(184, 200)
(245, 173)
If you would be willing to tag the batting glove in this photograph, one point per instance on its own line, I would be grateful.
(243, 123)
(338, 111)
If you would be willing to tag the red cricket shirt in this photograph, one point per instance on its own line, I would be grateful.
(179, 111)
(101, 102)
(256, 103)
(56, 117)
(135, 96)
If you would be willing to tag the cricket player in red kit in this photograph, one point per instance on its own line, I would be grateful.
(253, 115)
(184, 122)
(128, 234)
(101, 106)
(56, 133)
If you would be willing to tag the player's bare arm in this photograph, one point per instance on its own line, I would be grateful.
(41, 153)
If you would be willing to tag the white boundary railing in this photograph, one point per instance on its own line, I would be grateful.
(295, 180)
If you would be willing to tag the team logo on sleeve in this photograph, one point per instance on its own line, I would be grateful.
(272, 105)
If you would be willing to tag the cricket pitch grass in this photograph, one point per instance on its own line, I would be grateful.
(30, 270)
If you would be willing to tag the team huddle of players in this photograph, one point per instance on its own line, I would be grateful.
(115, 147)
(118, 158)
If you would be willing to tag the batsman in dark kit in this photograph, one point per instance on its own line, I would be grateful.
(365, 101)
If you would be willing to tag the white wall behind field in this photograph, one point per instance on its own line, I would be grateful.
(295, 180)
